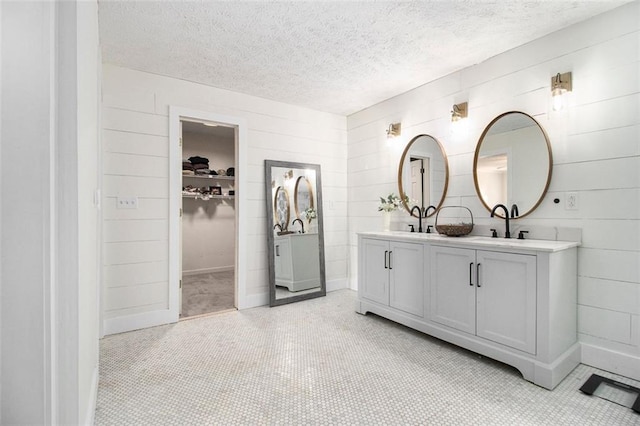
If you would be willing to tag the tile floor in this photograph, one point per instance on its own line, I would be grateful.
(318, 362)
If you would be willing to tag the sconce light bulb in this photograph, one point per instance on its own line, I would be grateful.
(560, 85)
(557, 99)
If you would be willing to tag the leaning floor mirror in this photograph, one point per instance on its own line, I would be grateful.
(295, 236)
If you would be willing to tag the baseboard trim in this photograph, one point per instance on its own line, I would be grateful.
(154, 318)
(337, 284)
(89, 416)
(615, 362)
(255, 300)
(262, 299)
(138, 321)
(208, 270)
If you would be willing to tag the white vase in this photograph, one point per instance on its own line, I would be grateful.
(386, 221)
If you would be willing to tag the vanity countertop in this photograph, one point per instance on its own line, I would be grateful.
(476, 241)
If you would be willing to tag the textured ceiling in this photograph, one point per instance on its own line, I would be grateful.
(334, 56)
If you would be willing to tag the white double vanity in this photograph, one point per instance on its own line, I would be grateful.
(510, 300)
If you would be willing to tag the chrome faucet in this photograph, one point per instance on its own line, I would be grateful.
(507, 234)
(419, 217)
(514, 210)
(277, 225)
(301, 224)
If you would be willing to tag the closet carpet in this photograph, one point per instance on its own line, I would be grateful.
(207, 293)
(318, 362)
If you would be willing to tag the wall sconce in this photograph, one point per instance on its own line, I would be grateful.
(459, 112)
(394, 130)
(560, 84)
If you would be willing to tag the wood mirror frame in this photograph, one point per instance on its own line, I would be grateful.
(276, 210)
(439, 157)
(506, 144)
(302, 180)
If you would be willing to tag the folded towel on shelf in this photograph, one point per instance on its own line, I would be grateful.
(203, 171)
(188, 173)
(201, 166)
(199, 160)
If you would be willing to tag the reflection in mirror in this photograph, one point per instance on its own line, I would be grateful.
(281, 208)
(303, 199)
(512, 163)
(423, 174)
(296, 252)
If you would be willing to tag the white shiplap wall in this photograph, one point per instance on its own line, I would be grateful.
(135, 122)
(595, 143)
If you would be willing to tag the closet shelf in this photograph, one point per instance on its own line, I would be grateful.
(211, 197)
(215, 177)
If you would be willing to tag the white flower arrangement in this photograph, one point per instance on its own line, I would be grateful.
(310, 213)
(391, 203)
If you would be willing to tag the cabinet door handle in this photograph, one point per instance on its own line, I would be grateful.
(277, 250)
(390, 260)
(478, 274)
(385, 259)
(470, 273)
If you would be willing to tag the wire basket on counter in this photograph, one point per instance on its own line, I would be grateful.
(462, 227)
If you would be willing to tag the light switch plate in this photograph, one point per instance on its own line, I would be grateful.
(571, 201)
(127, 202)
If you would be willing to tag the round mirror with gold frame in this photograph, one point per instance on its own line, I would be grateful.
(303, 197)
(281, 207)
(423, 174)
(512, 163)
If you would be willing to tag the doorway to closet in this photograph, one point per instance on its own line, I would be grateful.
(208, 218)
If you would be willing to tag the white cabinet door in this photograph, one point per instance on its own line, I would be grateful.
(506, 299)
(283, 266)
(453, 292)
(374, 284)
(406, 277)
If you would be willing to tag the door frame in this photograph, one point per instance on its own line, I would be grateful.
(176, 114)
